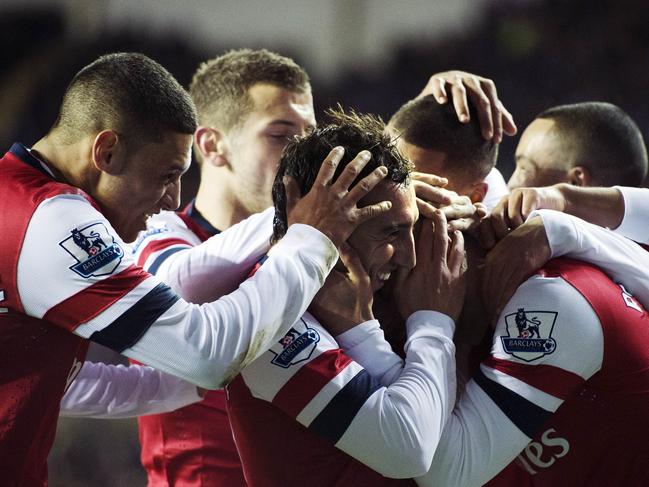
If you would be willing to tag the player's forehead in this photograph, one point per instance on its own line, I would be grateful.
(403, 212)
(274, 104)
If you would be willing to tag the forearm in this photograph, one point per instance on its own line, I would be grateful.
(209, 344)
(601, 206)
(116, 391)
(217, 266)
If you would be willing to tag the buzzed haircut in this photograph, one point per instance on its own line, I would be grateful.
(220, 86)
(303, 156)
(606, 141)
(425, 123)
(128, 93)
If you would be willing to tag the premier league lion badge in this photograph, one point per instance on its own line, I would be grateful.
(94, 249)
(529, 334)
(296, 346)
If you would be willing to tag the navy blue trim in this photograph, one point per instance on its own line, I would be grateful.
(527, 416)
(192, 212)
(157, 262)
(22, 153)
(129, 327)
(335, 418)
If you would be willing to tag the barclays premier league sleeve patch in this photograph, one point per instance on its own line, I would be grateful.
(296, 346)
(94, 249)
(529, 334)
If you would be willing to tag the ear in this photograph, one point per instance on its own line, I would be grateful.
(478, 192)
(108, 153)
(579, 176)
(212, 145)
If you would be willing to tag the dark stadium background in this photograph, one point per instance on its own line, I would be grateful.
(368, 54)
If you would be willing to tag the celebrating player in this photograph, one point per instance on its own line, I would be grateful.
(113, 157)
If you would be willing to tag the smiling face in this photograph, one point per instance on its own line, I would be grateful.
(386, 242)
(542, 158)
(148, 183)
(255, 146)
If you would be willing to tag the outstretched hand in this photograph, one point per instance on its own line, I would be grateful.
(481, 92)
(331, 207)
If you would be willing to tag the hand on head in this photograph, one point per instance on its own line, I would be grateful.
(332, 207)
(463, 87)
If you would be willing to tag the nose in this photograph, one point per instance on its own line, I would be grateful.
(171, 198)
(404, 252)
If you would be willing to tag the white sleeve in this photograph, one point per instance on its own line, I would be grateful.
(334, 397)
(116, 391)
(496, 188)
(500, 411)
(624, 261)
(212, 269)
(636, 214)
(76, 275)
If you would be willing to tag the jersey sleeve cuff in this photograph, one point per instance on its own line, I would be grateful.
(426, 323)
(310, 242)
(559, 230)
(636, 209)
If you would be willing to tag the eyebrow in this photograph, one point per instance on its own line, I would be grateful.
(288, 123)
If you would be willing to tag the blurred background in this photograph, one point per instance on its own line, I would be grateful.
(372, 55)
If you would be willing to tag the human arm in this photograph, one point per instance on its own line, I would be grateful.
(171, 251)
(548, 234)
(513, 394)
(117, 391)
(89, 286)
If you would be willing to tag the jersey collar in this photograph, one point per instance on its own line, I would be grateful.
(25, 155)
(197, 222)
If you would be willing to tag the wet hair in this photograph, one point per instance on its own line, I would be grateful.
(605, 139)
(220, 86)
(303, 156)
(428, 125)
(128, 93)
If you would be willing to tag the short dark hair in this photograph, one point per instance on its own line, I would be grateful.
(220, 86)
(425, 123)
(129, 93)
(606, 140)
(303, 157)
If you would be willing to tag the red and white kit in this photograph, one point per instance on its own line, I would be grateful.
(64, 269)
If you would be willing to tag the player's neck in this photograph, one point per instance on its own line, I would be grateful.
(219, 206)
(65, 161)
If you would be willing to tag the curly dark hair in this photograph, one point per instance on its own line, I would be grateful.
(303, 156)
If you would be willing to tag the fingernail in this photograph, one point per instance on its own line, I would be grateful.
(383, 170)
(490, 134)
(464, 118)
(442, 99)
(339, 150)
(365, 155)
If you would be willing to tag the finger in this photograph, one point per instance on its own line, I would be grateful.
(440, 238)
(482, 104)
(459, 100)
(428, 178)
(351, 171)
(352, 262)
(440, 86)
(426, 210)
(461, 208)
(371, 211)
(481, 210)
(462, 224)
(514, 211)
(329, 165)
(486, 234)
(424, 241)
(292, 193)
(456, 253)
(489, 89)
(500, 221)
(509, 127)
(530, 202)
(365, 185)
(432, 194)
